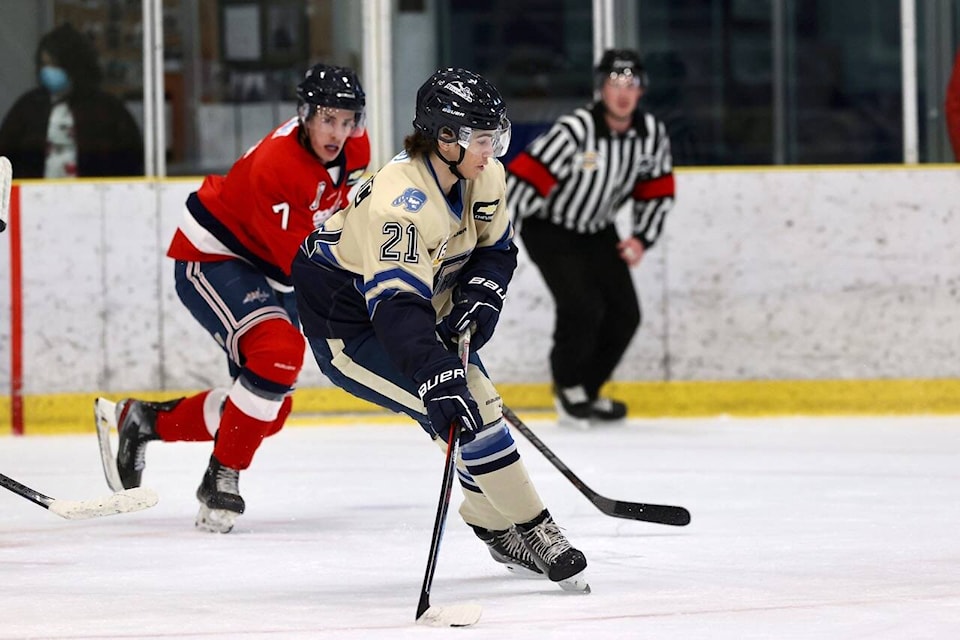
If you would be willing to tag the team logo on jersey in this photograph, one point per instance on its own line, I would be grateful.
(321, 187)
(411, 199)
(646, 164)
(483, 211)
(441, 253)
(257, 295)
(321, 216)
(590, 160)
(354, 177)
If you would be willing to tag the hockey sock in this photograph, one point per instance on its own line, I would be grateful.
(277, 424)
(239, 436)
(185, 422)
(511, 492)
(494, 473)
(476, 510)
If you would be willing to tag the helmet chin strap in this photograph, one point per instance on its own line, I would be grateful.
(450, 164)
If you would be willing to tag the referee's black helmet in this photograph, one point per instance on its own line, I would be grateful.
(621, 63)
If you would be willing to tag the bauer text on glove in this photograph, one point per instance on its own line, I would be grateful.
(443, 389)
(477, 305)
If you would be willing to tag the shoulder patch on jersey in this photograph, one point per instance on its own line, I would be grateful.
(483, 211)
(355, 177)
(412, 199)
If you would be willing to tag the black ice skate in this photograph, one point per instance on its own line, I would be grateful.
(136, 426)
(607, 410)
(219, 496)
(573, 407)
(553, 553)
(507, 548)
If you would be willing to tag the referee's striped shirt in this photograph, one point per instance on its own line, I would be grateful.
(579, 174)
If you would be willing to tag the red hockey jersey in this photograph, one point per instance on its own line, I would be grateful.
(271, 198)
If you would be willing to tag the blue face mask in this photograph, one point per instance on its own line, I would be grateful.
(54, 79)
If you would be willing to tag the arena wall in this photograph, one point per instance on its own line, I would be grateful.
(763, 275)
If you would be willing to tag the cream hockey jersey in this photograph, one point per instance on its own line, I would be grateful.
(392, 259)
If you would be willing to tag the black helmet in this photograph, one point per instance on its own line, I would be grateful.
(327, 86)
(621, 62)
(458, 99)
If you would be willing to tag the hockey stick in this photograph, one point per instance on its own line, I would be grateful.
(121, 502)
(6, 178)
(658, 513)
(457, 615)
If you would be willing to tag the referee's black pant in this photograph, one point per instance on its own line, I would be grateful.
(597, 307)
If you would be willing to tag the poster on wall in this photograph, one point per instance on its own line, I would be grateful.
(241, 33)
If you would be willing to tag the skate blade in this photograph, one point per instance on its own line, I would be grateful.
(575, 584)
(215, 520)
(106, 420)
(522, 571)
(579, 424)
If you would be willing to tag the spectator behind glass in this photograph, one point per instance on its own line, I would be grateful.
(952, 107)
(69, 127)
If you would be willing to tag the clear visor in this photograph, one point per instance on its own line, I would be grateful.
(332, 120)
(484, 141)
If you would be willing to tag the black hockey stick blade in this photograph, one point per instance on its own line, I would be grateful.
(655, 513)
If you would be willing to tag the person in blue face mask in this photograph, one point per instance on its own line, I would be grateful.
(68, 126)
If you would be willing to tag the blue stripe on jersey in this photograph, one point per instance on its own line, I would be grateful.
(398, 274)
(386, 294)
(504, 242)
(317, 247)
(220, 231)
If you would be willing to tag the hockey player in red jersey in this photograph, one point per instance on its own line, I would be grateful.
(233, 251)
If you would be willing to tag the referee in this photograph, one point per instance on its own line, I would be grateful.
(565, 190)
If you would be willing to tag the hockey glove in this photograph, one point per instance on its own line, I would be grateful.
(443, 389)
(477, 306)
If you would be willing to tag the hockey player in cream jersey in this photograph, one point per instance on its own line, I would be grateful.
(385, 286)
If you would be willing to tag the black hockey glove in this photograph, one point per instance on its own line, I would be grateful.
(476, 305)
(443, 389)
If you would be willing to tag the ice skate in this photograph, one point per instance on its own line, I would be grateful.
(507, 548)
(573, 407)
(607, 410)
(136, 426)
(219, 496)
(553, 553)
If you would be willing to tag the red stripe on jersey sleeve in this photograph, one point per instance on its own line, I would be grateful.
(529, 170)
(662, 187)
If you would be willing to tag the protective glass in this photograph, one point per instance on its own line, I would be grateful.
(485, 141)
(330, 119)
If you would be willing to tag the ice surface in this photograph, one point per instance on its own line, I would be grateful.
(802, 528)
